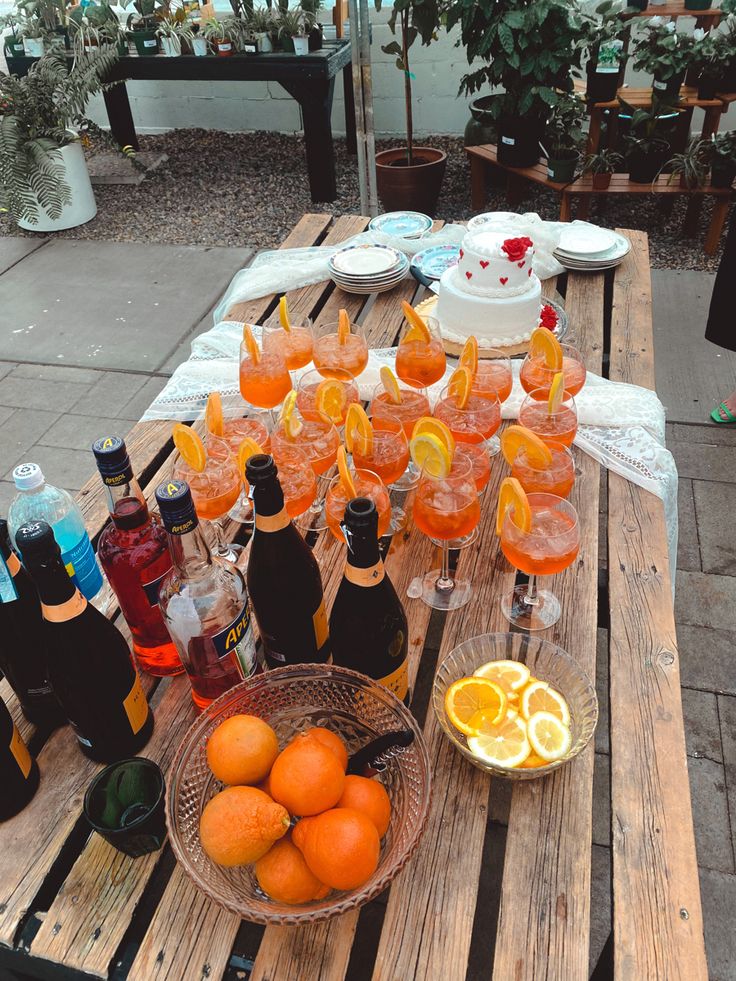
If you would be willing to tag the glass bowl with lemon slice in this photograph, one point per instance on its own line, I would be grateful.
(514, 705)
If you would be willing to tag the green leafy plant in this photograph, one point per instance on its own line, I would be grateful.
(145, 14)
(691, 166)
(293, 23)
(563, 134)
(413, 19)
(599, 26)
(706, 58)
(721, 148)
(173, 28)
(261, 20)
(97, 23)
(646, 123)
(661, 50)
(38, 113)
(603, 162)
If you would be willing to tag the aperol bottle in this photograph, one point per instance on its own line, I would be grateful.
(134, 553)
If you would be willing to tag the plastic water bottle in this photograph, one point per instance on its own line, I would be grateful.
(38, 501)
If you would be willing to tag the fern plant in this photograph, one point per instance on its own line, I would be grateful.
(36, 116)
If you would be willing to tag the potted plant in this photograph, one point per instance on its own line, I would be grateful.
(261, 23)
(96, 24)
(32, 29)
(601, 165)
(142, 24)
(722, 156)
(646, 146)
(13, 41)
(602, 38)
(223, 35)
(44, 183)
(312, 8)
(200, 46)
(725, 45)
(706, 65)
(294, 27)
(665, 54)
(563, 137)
(529, 52)
(691, 166)
(171, 31)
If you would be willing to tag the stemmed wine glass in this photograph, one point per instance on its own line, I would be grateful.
(294, 345)
(552, 423)
(264, 378)
(493, 375)
(420, 357)
(386, 454)
(413, 405)
(340, 345)
(333, 395)
(535, 374)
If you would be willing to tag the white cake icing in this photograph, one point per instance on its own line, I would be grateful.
(492, 293)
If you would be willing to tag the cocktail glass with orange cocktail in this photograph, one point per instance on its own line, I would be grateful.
(317, 396)
(297, 478)
(555, 423)
(493, 375)
(420, 358)
(402, 404)
(467, 414)
(264, 377)
(291, 339)
(557, 478)
(348, 484)
(381, 446)
(536, 372)
(340, 345)
(473, 450)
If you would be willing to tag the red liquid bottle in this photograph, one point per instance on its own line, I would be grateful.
(133, 551)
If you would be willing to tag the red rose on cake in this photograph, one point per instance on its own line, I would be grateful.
(548, 317)
(515, 248)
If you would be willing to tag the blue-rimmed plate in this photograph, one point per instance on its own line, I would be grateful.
(432, 262)
(404, 224)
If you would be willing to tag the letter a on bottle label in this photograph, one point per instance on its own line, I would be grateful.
(136, 706)
(236, 641)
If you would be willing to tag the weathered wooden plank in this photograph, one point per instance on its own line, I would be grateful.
(25, 728)
(91, 912)
(544, 921)
(320, 952)
(657, 916)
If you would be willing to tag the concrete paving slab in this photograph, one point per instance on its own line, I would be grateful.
(7, 493)
(692, 375)
(110, 304)
(600, 902)
(112, 391)
(602, 800)
(718, 892)
(135, 408)
(705, 600)
(707, 659)
(25, 393)
(702, 727)
(77, 432)
(688, 546)
(602, 735)
(63, 467)
(713, 501)
(13, 248)
(704, 461)
(727, 716)
(56, 373)
(710, 815)
(19, 431)
(183, 348)
(6, 367)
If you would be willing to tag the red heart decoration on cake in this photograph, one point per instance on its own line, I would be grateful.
(530, 272)
(483, 263)
(521, 264)
(461, 253)
(503, 280)
(469, 275)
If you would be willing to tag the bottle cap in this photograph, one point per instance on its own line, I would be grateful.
(28, 476)
(361, 513)
(176, 506)
(260, 467)
(112, 460)
(36, 541)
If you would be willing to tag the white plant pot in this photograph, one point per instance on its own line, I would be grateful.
(264, 43)
(171, 46)
(301, 45)
(82, 208)
(33, 47)
(199, 46)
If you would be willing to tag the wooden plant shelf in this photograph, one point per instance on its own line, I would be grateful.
(641, 98)
(675, 10)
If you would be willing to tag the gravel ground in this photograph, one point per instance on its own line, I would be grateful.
(248, 189)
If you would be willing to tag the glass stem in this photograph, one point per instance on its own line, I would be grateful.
(445, 582)
(531, 598)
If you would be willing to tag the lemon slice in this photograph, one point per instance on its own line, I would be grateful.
(511, 495)
(504, 745)
(190, 446)
(459, 386)
(544, 343)
(358, 430)
(469, 354)
(540, 697)
(330, 399)
(346, 478)
(290, 420)
(492, 715)
(391, 385)
(518, 437)
(343, 326)
(418, 330)
(532, 762)
(213, 414)
(430, 455)
(284, 313)
(510, 675)
(250, 344)
(556, 393)
(248, 448)
(428, 424)
(549, 738)
(469, 696)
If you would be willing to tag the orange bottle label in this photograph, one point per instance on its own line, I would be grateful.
(13, 564)
(64, 611)
(397, 681)
(365, 577)
(272, 522)
(20, 751)
(321, 627)
(136, 706)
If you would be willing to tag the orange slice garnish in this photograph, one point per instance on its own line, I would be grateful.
(284, 313)
(428, 424)
(250, 344)
(469, 354)
(519, 437)
(346, 478)
(469, 696)
(418, 330)
(391, 385)
(289, 419)
(556, 393)
(511, 495)
(248, 448)
(213, 414)
(543, 343)
(460, 385)
(343, 326)
(358, 430)
(330, 400)
(190, 446)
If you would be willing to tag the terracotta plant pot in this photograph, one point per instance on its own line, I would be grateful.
(601, 181)
(224, 49)
(415, 188)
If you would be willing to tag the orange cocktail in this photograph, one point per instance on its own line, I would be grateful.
(414, 404)
(387, 454)
(298, 480)
(480, 415)
(479, 461)
(556, 478)
(535, 374)
(493, 376)
(366, 484)
(556, 426)
(420, 358)
(264, 377)
(294, 345)
(334, 395)
(234, 431)
(342, 345)
(319, 440)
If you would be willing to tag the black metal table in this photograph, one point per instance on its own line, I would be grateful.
(309, 79)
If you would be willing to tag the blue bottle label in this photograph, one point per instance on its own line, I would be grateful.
(151, 588)
(236, 640)
(8, 592)
(82, 567)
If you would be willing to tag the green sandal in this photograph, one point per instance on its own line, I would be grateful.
(717, 417)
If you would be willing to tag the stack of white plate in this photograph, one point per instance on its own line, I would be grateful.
(402, 224)
(368, 268)
(588, 248)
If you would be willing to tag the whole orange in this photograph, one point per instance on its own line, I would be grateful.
(240, 824)
(370, 798)
(307, 778)
(341, 847)
(242, 749)
(283, 875)
(331, 740)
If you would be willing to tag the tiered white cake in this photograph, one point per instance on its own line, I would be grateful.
(492, 293)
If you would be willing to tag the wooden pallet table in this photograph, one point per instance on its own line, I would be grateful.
(491, 892)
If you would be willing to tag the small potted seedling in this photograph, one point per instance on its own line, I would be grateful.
(564, 137)
(293, 30)
(222, 35)
(171, 32)
(261, 23)
(691, 166)
(200, 46)
(601, 165)
(143, 24)
(706, 64)
(12, 41)
(32, 29)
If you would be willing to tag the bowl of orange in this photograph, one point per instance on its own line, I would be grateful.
(514, 705)
(261, 813)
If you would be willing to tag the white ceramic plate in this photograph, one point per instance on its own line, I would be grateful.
(582, 240)
(405, 224)
(620, 248)
(366, 260)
